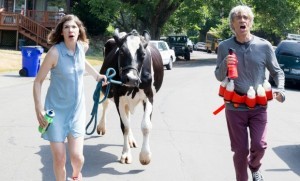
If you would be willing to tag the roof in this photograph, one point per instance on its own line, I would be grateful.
(291, 36)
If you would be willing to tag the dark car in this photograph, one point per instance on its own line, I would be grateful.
(288, 56)
(180, 44)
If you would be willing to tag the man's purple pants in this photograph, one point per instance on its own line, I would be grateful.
(237, 123)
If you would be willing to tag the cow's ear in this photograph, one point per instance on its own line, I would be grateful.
(117, 36)
(146, 35)
(147, 38)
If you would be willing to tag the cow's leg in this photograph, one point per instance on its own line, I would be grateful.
(123, 109)
(146, 126)
(131, 140)
(101, 128)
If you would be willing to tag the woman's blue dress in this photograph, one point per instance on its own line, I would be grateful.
(65, 95)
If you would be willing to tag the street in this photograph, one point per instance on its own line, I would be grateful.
(188, 142)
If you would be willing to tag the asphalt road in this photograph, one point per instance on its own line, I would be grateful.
(188, 142)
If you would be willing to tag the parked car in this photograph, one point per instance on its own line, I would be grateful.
(288, 56)
(190, 45)
(179, 43)
(200, 46)
(167, 54)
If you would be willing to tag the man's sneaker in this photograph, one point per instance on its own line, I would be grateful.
(257, 176)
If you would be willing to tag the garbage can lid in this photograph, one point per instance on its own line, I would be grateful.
(41, 50)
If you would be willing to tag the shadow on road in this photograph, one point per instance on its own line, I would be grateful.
(290, 154)
(195, 63)
(46, 159)
(95, 163)
(12, 75)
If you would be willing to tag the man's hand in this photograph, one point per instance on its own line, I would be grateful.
(279, 96)
(231, 60)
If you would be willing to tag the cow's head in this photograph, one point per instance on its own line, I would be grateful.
(131, 55)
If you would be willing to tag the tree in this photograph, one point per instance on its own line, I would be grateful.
(197, 17)
(276, 18)
(94, 25)
(273, 18)
(139, 14)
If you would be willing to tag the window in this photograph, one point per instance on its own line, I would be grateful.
(162, 46)
(56, 5)
(19, 5)
(1, 4)
(289, 49)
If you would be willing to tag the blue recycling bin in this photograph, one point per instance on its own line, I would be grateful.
(31, 57)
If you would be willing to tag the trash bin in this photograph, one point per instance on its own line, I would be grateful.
(31, 57)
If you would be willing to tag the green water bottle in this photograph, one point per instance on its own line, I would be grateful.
(49, 118)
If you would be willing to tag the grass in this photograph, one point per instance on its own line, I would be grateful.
(11, 60)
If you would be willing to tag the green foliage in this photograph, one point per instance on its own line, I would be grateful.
(120, 14)
(188, 17)
(273, 18)
(94, 25)
(222, 30)
(277, 17)
(109, 30)
(105, 10)
(194, 39)
(141, 15)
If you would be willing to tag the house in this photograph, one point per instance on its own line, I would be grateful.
(28, 22)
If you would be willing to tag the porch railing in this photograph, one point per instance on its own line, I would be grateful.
(37, 32)
(8, 21)
(35, 26)
(45, 18)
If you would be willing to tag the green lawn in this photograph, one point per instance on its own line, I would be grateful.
(11, 60)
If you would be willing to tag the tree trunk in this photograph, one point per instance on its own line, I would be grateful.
(157, 19)
(164, 9)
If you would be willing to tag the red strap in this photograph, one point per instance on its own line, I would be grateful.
(219, 109)
(236, 98)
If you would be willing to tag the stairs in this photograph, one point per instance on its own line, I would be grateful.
(33, 30)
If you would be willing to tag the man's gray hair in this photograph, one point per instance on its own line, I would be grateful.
(239, 9)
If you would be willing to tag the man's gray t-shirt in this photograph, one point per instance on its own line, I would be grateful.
(254, 58)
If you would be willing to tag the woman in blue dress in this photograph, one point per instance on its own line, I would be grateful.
(67, 64)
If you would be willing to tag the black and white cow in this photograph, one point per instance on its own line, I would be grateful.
(139, 67)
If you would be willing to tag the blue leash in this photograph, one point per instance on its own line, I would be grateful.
(110, 73)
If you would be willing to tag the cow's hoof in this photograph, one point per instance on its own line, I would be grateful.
(126, 158)
(145, 158)
(101, 130)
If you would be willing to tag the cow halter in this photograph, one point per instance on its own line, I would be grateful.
(121, 69)
(128, 67)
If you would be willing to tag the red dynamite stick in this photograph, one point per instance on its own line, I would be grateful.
(269, 95)
(221, 91)
(219, 109)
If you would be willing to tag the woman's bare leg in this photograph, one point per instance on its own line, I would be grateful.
(59, 160)
(76, 154)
